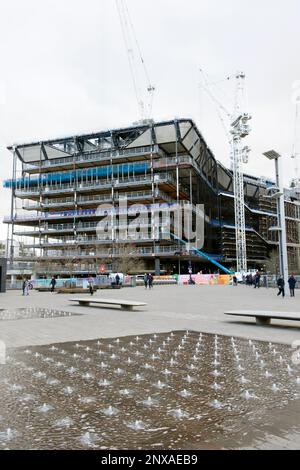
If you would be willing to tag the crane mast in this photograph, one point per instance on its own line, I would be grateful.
(236, 130)
(239, 129)
(296, 143)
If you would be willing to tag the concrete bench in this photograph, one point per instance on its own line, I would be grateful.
(125, 304)
(264, 317)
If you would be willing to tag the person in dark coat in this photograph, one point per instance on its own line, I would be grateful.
(53, 284)
(257, 280)
(292, 284)
(91, 285)
(24, 286)
(280, 284)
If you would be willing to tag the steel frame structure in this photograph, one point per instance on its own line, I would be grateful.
(180, 165)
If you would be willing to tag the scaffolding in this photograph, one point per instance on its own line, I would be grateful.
(57, 187)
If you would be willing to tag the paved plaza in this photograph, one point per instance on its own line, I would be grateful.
(103, 378)
(199, 308)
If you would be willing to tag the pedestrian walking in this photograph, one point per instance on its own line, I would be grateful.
(91, 285)
(117, 280)
(150, 281)
(24, 286)
(53, 284)
(146, 280)
(292, 284)
(257, 280)
(280, 284)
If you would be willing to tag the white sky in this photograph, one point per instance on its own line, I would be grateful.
(64, 69)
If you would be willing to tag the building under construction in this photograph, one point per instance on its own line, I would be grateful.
(58, 185)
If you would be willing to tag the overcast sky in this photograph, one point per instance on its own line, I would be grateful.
(64, 69)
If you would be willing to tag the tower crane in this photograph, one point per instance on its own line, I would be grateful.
(144, 93)
(237, 128)
(296, 143)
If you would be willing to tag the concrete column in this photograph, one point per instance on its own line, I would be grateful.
(157, 266)
(3, 268)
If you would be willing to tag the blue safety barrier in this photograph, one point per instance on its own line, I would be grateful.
(128, 169)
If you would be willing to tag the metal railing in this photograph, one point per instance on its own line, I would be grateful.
(94, 156)
(74, 268)
(58, 228)
(98, 184)
(83, 226)
(80, 240)
(20, 266)
(103, 253)
(70, 201)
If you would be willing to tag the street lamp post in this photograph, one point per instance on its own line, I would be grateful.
(278, 194)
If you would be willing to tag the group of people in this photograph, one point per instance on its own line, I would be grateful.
(148, 280)
(253, 280)
(26, 286)
(250, 280)
(281, 285)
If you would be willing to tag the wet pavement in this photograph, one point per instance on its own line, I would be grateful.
(175, 390)
(33, 312)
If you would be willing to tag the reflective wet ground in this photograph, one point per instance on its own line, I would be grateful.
(179, 390)
(31, 312)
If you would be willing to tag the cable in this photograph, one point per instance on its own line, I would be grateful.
(129, 50)
(129, 36)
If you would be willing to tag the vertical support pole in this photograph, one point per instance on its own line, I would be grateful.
(283, 258)
(41, 250)
(157, 266)
(3, 270)
(154, 218)
(177, 191)
(113, 218)
(75, 204)
(191, 187)
(152, 212)
(10, 240)
(190, 212)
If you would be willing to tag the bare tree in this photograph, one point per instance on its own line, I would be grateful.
(127, 261)
(272, 263)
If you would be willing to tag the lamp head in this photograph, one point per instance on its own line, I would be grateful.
(272, 155)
